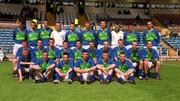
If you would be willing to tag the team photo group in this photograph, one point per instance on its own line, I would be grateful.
(85, 55)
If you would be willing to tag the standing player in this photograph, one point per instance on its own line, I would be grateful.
(151, 35)
(85, 68)
(124, 70)
(116, 35)
(64, 69)
(72, 36)
(24, 64)
(130, 36)
(105, 68)
(119, 49)
(103, 34)
(58, 35)
(18, 36)
(32, 35)
(44, 68)
(87, 35)
(78, 51)
(150, 57)
(135, 56)
(45, 33)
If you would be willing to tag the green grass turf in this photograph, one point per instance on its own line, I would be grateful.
(167, 89)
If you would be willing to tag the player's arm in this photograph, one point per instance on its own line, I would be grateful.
(26, 63)
(118, 71)
(112, 66)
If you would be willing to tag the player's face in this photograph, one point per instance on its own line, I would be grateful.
(130, 28)
(120, 43)
(117, 27)
(149, 25)
(65, 45)
(72, 26)
(33, 25)
(45, 56)
(105, 56)
(65, 57)
(134, 45)
(122, 57)
(149, 45)
(58, 26)
(45, 23)
(51, 42)
(39, 43)
(87, 26)
(103, 24)
(85, 55)
(78, 44)
(106, 45)
(91, 45)
(20, 25)
(24, 44)
(25, 53)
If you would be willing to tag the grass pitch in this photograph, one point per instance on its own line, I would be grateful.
(167, 89)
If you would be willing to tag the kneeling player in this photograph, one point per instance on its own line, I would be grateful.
(44, 68)
(124, 70)
(25, 65)
(64, 69)
(151, 59)
(85, 68)
(105, 68)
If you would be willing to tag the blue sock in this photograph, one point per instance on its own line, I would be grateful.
(139, 72)
(57, 76)
(131, 78)
(120, 79)
(70, 75)
(108, 77)
(100, 77)
(80, 78)
(90, 77)
(156, 74)
(43, 78)
(146, 74)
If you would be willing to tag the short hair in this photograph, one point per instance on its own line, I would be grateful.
(91, 42)
(84, 51)
(24, 41)
(121, 40)
(51, 39)
(45, 51)
(25, 49)
(78, 41)
(65, 41)
(122, 53)
(46, 20)
(39, 40)
(105, 52)
(66, 53)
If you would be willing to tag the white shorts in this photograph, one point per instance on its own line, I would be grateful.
(15, 48)
(85, 46)
(128, 47)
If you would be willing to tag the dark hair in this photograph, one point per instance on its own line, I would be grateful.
(78, 41)
(84, 51)
(120, 40)
(51, 39)
(105, 52)
(65, 41)
(45, 51)
(66, 53)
